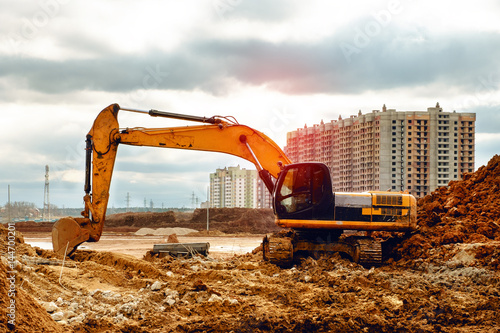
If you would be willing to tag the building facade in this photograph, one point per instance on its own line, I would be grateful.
(414, 151)
(235, 187)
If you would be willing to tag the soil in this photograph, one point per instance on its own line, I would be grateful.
(465, 215)
(226, 220)
(442, 278)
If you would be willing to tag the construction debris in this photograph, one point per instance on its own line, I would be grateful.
(181, 249)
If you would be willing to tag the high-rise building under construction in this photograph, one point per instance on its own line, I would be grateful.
(414, 151)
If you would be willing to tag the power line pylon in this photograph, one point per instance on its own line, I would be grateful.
(46, 196)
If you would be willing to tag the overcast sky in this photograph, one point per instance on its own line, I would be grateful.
(273, 65)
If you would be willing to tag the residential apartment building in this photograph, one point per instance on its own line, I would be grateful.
(415, 151)
(235, 187)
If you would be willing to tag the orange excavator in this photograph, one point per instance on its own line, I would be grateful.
(313, 216)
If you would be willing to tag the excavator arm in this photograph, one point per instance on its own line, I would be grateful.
(217, 135)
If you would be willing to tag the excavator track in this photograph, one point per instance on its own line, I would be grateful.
(370, 252)
(278, 250)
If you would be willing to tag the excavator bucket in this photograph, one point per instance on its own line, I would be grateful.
(67, 235)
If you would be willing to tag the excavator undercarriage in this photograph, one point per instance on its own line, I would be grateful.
(283, 248)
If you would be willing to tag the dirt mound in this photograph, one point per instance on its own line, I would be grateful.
(226, 220)
(20, 247)
(465, 212)
(140, 220)
(32, 226)
(236, 220)
(19, 311)
(172, 238)
(208, 233)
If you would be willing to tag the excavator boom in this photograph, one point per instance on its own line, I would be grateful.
(217, 135)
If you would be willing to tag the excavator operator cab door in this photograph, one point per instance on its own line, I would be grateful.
(304, 191)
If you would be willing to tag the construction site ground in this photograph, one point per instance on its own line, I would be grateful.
(137, 245)
(444, 277)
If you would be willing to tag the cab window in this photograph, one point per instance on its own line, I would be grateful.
(302, 187)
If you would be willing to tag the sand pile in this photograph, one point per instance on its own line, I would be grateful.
(164, 231)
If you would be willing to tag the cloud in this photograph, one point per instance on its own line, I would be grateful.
(244, 58)
(487, 118)
(489, 147)
(392, 59)
(256, 11)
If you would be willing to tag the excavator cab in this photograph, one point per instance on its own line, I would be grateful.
(304, 192)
